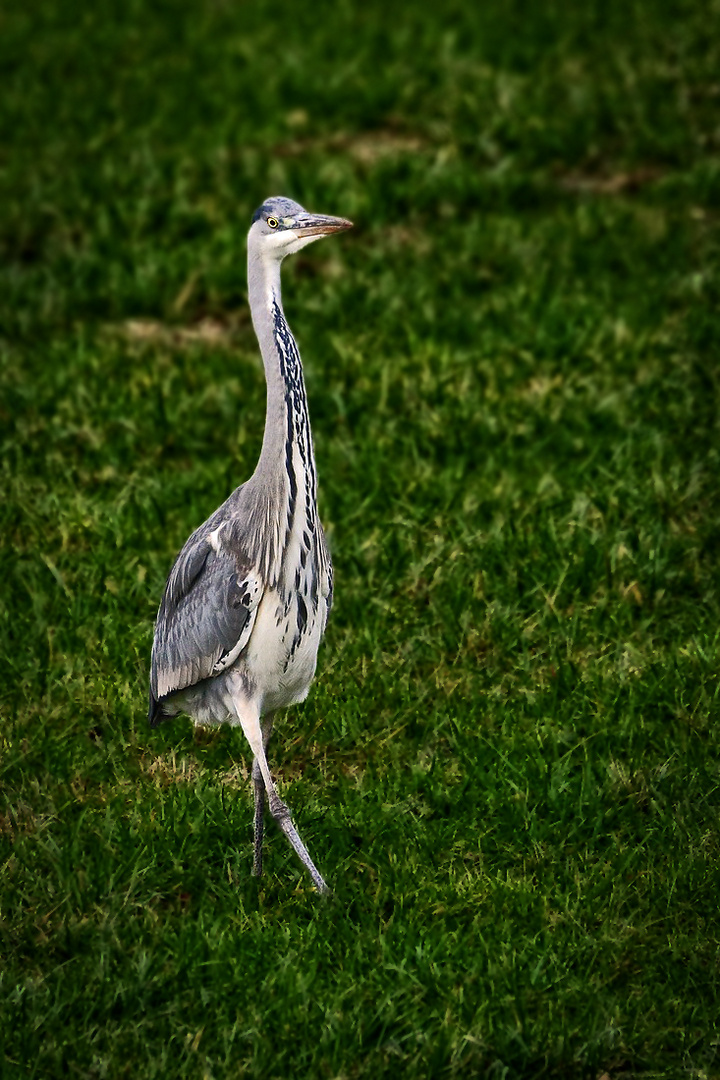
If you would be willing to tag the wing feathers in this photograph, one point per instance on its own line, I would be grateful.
(205, 618)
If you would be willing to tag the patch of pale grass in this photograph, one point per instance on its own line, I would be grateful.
(367, 147)
(173, 768)
(150, 331)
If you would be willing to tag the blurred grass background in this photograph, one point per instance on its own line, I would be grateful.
(508, 765)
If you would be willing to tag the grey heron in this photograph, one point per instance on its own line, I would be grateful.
(248, 597)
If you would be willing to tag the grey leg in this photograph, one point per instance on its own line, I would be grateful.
(281, 812)
(259, 785)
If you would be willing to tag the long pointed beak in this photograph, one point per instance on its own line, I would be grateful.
(321, 225)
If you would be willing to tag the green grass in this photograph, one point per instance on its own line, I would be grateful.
(508, 768)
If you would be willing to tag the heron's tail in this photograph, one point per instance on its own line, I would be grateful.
(155, 711)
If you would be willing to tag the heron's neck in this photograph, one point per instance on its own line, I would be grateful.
(286, 463)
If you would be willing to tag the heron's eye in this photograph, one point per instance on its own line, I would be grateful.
(272, 222)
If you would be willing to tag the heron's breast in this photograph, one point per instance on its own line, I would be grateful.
(282, 652)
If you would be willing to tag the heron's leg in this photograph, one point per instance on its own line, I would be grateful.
(266, 725)
(259, 785)
(250, 723)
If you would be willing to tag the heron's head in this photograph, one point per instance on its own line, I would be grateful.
(281, 227)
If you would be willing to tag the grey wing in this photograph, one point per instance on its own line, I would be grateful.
(205, 619)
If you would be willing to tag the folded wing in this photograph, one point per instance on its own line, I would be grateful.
(205, 619)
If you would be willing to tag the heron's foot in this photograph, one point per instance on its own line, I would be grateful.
(322, 886)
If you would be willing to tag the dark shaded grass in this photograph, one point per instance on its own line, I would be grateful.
(508, 767)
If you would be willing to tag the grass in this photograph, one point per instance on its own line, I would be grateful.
(508, 767)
